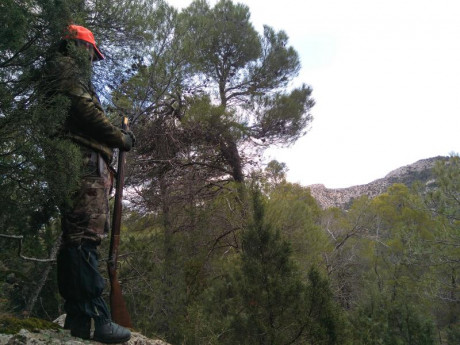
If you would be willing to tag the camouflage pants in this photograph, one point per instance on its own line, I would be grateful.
(87, 220)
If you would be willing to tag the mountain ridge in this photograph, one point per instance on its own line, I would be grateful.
(420, 170)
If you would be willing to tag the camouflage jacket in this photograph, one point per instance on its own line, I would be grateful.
(86, 123)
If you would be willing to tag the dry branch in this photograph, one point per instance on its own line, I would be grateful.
(20, 238)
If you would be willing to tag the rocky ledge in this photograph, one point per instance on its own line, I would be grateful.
(63, 337)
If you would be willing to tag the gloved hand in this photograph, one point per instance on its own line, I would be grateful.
(128, 140)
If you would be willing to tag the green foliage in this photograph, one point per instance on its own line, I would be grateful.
(326, 323)
(12, 325)
(154, 278)
(293, 211)
(260, 297)
(222, 34)
(444, 200)
(395, 270)
(386, 322)
(268, 287)
(175, 250)
(443, 204)
(38, 169)
(281, 118)
(276, 172)
(13, 31)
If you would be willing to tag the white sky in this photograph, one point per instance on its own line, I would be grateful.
(386, 80)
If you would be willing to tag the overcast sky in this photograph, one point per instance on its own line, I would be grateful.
(386, 80)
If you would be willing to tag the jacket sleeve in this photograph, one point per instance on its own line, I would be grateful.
(89, 118)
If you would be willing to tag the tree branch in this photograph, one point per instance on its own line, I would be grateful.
(20, 238)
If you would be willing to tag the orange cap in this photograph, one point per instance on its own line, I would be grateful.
(81, 33)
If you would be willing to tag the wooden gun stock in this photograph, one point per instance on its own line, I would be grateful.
(118, 308)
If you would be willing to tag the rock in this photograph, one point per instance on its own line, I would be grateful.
(60, 320)
(343, 197)
(63, 337)
(4, 338)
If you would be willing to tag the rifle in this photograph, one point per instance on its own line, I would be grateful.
(118, 308)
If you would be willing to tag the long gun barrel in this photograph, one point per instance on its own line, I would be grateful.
(118, 308)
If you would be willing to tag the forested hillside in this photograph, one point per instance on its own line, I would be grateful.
(217, 248)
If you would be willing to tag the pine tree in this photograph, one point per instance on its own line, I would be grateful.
(269, 287)
(262, 299)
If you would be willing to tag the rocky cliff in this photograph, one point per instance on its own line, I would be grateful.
(343, 197)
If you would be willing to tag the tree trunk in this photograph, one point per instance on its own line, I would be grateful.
(232, 156)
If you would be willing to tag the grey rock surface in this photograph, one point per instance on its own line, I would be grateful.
(343, 197)
(63, 337)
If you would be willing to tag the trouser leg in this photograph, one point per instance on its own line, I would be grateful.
(79, 280)
(84, 223)
(81, 285)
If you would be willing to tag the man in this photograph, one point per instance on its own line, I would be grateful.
(86, 220)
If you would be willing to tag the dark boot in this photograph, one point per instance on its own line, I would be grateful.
(79, 325)
(110, 333)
